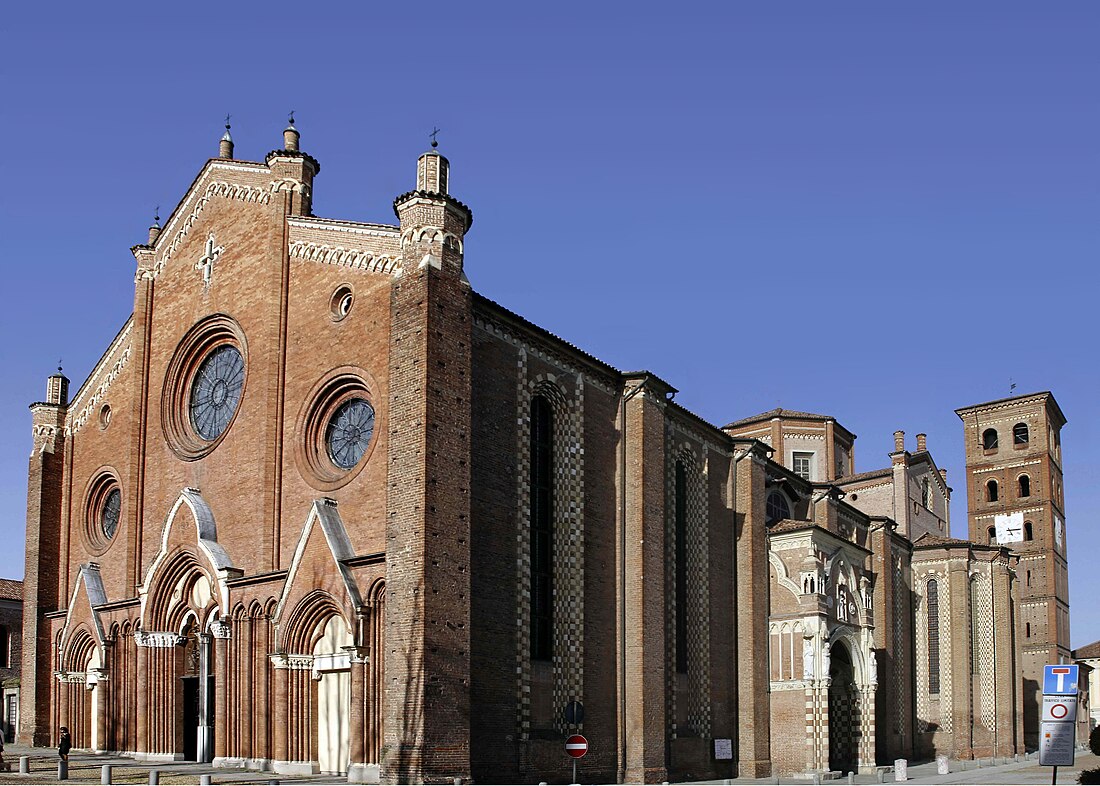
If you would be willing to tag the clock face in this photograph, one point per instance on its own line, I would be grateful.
(216, 391)
(349, 432)
(111, 508)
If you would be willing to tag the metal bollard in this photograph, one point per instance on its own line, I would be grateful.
(154, 778)
(62, 770)
(24, 765)
(105, 775)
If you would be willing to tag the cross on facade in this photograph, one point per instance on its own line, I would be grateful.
(207, 260)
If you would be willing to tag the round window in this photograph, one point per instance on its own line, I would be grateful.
(216, 391)
(340, 303)
(204, 386)
(338, 428)
(102, 510)
(108, 518)
(349, 431)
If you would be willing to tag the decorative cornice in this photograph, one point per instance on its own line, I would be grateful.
(220, 189)
(71, 677)
(347, 227)
(157, 640)
(354, 258)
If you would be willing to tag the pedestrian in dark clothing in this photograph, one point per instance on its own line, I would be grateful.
(4, 766)
(65, 745)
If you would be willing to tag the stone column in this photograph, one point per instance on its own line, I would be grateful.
(221, 633)
(357, 770)
(279, 708)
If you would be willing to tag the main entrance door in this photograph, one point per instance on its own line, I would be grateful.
(198, 698)
(843, 711)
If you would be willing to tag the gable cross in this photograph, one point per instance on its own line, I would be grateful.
(207, 260)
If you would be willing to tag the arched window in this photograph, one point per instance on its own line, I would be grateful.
(542, 530)
(992, 535)
(926, 493)
(933, 595)
(680, 535)
(1027, 629)
(1025, 486)
(991, 491)
(777, 508)
(989, 439)
(1019, 434)
(1028, 532)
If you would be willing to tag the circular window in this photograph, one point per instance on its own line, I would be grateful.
(104, 417)
(341, 302)
(216, 391)
(103, 510)
(349, 431)
(204, 386)
(339, 428)
(112, 506)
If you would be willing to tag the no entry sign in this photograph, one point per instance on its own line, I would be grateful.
(576, 746)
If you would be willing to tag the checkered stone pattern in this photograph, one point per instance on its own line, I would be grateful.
(844, 722)
(566, 396)
(817, 726)
(946, 602)
(981, 630)
(921, 623)
(698, 585)
(899, 643)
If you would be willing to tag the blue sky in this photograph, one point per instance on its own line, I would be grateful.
(882, 211)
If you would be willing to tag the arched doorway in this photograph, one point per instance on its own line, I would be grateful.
(333, 697)
(844, 718)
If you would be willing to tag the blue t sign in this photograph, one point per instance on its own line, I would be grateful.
(1060, 680)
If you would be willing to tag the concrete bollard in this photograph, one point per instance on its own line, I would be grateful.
(901, 770)
(105, 775)
(943, 765)
(851, 777)
(817, 779)
(154, 777)
(24, 765)
(62, 770)
(205, 780)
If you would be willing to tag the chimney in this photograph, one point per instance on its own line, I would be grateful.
(922, 443)
(899, 441)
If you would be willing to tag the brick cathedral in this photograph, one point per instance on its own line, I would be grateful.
(320, 507)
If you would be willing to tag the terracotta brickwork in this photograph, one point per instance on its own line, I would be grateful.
(291, 522)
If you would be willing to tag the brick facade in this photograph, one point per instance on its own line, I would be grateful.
(235, 596)
(11, 655)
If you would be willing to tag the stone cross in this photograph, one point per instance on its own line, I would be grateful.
(206, 262)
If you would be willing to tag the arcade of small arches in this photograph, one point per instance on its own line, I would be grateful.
(207, 665)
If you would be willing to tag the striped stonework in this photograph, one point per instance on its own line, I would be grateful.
(566, 396)
(698, 589)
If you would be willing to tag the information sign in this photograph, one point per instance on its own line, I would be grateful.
(723, 748)
(1056, 739)
(1060, 679)
(1060, 708)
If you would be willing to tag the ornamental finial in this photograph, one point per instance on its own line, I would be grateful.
(432, 135)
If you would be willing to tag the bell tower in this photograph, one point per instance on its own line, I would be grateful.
(1015, 499)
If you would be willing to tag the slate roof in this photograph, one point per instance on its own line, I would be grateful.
(885, 472)
(778, 412)
(929, 540)
(10, 589)
(1088, 651)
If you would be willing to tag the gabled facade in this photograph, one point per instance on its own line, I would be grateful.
(320, 507)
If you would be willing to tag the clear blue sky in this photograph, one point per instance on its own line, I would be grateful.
(882, 211)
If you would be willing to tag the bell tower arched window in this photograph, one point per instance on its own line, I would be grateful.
(542, 529)
(991, 491)
(1019, 434)
(1025, 486)
(989, 439)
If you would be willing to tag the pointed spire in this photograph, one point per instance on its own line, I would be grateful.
(57, 388)
(291, 136)
(225, 147)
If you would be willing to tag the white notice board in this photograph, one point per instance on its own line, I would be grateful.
(1056, 740)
